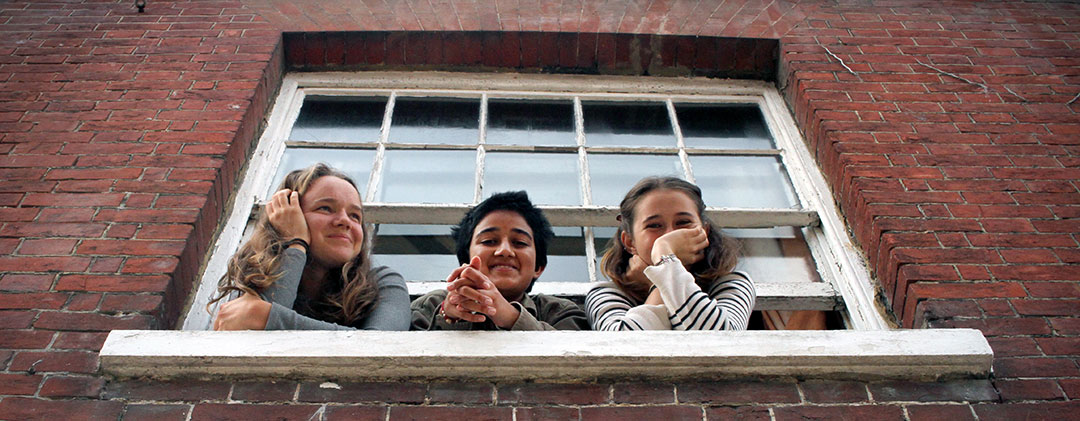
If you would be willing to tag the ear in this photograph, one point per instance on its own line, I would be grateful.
(627, 242)
(539, 271)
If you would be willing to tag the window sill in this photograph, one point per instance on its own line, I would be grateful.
(926, 354)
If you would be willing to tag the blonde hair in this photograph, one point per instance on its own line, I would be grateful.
(349, 295)
(720, 256)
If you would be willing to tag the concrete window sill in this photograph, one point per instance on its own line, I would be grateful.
(927, 354)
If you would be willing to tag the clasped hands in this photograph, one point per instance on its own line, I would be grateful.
(471, 296)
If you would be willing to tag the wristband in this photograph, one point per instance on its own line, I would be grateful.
(442, 312)
(300, 241)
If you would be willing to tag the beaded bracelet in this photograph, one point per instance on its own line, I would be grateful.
(300, 241)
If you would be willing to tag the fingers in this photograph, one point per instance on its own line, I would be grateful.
(453, 276)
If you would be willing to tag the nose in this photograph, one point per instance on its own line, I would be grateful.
(341, 217)
(504, 249)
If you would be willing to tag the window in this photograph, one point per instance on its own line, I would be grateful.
(425, 146)
(424, 151)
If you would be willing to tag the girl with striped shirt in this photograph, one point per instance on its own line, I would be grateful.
(670, 268)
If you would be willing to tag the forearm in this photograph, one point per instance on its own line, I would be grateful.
(282, 318)
(690, 308)
(283, 290)
(608, 309)
(392, 308)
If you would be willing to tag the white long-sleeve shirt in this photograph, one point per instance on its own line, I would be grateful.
(725, 305)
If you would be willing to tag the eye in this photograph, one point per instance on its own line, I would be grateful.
(684, 223)
(323, 208)
(487, 241)
(355, 217)
(521, 243)
(653, 225)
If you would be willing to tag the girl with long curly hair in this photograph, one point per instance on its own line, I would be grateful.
(307, 266)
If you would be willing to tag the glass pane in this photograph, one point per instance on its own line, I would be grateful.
(743, 181)
(542, 123)
(775, 255)
(723, 127)
(613, 175)
(436, 120)
(417, 252)
(418, 176)
(354, 162)
(769, 255)
(339, 119)
(549, 178)
(627, 124)
(566, 257)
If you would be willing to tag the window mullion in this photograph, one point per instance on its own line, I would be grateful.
(380, 151)
(679, 140)
(481, 153)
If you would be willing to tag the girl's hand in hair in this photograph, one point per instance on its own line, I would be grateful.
(473, 294)
(249, 312)
(688, 244)
(286, 217)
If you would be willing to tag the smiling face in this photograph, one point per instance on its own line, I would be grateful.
(334, 218)
(507, 250)
(658, 213)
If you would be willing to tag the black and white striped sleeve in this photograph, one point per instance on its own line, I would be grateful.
(609, 308)
(726, 305)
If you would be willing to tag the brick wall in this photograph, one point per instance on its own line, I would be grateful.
(949, 134)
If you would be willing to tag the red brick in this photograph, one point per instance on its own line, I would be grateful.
(19, 384)
(130, 247)
(553, 393)
(47, 247)
(749, 413)
(644, 393)
(1013, 347)
(64, 386)
(958, 390)
(356, 412)
(83, 302)
(865, 412)
(665, 412)
(221, 411)
(1034, 367)
(150, 265)
(52, 230)
(27, 282)
(553, 413)
(32, 301)
(1030, 411)
(940, 412)
(66, 361)
(126, 283)
(29, 408)
(156, 412)
(164, 231)
(1029, 390)
(131, 303)
(91, 321)
(449, 412)
(16, 319)
(90, 341)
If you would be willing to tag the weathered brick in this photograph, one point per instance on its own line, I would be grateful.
(356, 412)
(363, 392)
(644, 393)
(122, 283)
(939, 412)
(66, 386)
(1029, 390)
(272, 391)
(222, 411)
(737, 392)
(958, 390)
(468, 393)
(1033, 411)
(751, 413)
(446, 412)
(834, 391)
(19, 383)
(553, 393)
(664, 412)
(29, 408)
(65, 361)
(553, 413)
(173, 390)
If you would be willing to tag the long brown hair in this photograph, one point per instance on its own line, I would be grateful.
(720, 256)
(347, 297)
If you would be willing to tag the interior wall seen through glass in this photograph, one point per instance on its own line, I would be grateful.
(339, 119)
(452, 121)
(530, 122)
(356, 163)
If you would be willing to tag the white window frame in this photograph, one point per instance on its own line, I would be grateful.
(844, 276)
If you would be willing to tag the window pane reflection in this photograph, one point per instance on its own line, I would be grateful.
(550, 179)
(775, 254)
(339, 119)
(743, 181)
(417, 176)
(435, 120)
(541, 123)
(613, 175)
(417, 252)
(354, 162)
(566, 257)
(723, 127)
(627, 124)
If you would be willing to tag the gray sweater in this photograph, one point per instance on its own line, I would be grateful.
(391, 309)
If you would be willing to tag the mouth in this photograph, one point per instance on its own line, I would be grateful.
(341, 237)
(502, 267)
